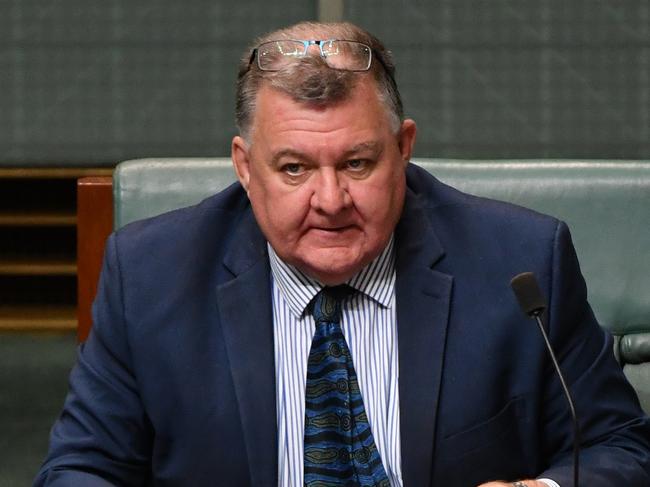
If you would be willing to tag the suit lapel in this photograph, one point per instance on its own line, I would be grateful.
(423, 299)
(245, 311)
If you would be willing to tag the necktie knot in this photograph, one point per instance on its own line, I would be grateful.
(326, 307)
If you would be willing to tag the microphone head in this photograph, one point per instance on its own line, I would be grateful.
(530, 297)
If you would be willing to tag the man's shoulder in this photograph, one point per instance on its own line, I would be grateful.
(205, 226)
(476, 232)
(440, 199)
(219, 209)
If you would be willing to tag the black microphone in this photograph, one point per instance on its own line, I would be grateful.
(532, 302)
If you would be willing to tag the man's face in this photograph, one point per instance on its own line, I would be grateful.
(326, 184)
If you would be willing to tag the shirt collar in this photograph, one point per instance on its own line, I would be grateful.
(376, 280)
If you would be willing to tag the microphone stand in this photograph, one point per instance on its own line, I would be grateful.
(533, 304)
(576, 428)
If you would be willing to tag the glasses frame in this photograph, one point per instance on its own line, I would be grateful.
(373, 55)
(315, 42)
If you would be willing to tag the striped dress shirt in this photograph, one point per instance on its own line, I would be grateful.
(369, 326)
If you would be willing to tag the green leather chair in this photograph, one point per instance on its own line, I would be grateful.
(605, 203)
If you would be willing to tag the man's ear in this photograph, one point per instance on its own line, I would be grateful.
(406, 139)
(240, 155)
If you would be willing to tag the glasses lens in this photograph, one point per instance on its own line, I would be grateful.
(348, 55)
(274, 55)
(338, 54)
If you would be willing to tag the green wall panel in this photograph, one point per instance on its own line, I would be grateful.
(92, 82)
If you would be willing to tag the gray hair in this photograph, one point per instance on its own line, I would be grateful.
(311, 80)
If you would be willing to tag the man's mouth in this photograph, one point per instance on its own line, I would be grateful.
(331, 232)
(338, 229)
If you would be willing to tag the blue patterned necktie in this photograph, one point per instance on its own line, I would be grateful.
(339, 447)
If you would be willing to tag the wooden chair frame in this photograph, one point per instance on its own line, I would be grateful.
(94, 225)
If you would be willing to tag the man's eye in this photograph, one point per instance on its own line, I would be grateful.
(293, 169)
(356, 164)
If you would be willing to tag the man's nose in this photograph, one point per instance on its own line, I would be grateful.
(330, 194)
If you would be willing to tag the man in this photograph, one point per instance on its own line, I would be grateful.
(218, 328)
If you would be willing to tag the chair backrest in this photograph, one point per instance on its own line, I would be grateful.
(605, 203)
(149, 187)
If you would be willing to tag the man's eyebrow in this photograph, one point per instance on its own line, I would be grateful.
(287, 152)
(371, 146)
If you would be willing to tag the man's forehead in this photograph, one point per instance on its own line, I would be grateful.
(361, 110)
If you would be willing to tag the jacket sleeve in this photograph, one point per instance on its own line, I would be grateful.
(615, 433)
(103, 436)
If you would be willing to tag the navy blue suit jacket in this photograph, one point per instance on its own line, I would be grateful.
(176, 384)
